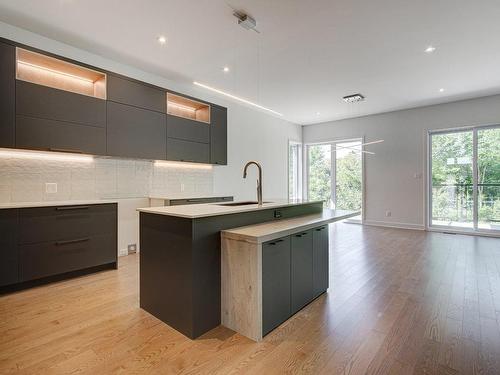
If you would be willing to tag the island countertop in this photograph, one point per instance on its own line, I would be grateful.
(267, 231)
(216, 209)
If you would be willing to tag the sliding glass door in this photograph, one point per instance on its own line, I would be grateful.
(335, 174)
(465, 179)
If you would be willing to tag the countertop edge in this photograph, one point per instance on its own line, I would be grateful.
(7, 206)
(282, 233)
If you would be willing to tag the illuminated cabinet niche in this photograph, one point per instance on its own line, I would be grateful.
(187, 108)
(48, 71)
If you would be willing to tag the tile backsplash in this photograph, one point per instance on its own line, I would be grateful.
(24, 179)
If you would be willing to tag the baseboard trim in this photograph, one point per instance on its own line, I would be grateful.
(389, 224)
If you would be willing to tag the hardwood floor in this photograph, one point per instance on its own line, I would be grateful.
(400, 302)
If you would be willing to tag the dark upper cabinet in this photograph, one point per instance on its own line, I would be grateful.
(187, 129)
(276, 288)
(9, 262)
(135, 132)
(320, 260)
(180, 150)
(218, 136)
(302, 270)
(7, 94)
(53, 104)
(134, 93)
(52, 135)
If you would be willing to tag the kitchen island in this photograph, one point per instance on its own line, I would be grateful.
(180, 257)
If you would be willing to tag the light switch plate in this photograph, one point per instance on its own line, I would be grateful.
(51, 187)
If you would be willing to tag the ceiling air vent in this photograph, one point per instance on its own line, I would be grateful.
(353, 98)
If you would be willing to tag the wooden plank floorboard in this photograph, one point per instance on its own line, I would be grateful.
(400, 302)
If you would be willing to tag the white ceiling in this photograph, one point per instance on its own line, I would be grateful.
(308, 55)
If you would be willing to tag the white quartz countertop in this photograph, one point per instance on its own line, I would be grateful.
(215, 209)
(271, 230)
(53, 203)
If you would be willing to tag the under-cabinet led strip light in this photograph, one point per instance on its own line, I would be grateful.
(54, 71)
(236, 98)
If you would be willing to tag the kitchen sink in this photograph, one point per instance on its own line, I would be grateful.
(244, 203)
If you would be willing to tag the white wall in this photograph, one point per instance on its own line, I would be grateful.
(390, 182)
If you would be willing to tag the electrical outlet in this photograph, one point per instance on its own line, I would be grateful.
(388, 213)
(51, 187)
(132, 248)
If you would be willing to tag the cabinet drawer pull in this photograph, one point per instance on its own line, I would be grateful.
(68, 150)
(68, 242)
(301, 234)
(67, 208)
(275, 242)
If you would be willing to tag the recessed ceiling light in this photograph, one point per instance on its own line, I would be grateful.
(225, 69)
(236, 98)
(162, 39)
(318, 113)
(430, 49)
(353, 98)
(441, 90)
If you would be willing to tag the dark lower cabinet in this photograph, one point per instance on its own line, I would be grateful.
(302, 270)
(218, 136)
(7, 94)
(41, 244)
(9, 259)
(320, 260)
(181, 150)
(276, 304)
(56, 257)
(135, 132)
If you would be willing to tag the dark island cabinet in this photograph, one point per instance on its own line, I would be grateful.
(9, 262)
(135, 132)
(320, 260)
(276, 288)
(7, 94)
(294, 272)
(218, 136)
(302, 269)
(142, 95)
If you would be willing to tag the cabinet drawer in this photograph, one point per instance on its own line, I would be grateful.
(276, 286)
(56, 257)
(62, 223)
(178, 149)
(186, 129)
(135, 132)
(53, 104)
(125, 91)
(43, 134)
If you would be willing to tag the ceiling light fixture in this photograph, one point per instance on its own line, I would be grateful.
(430, 49)
(353, 98)
(318, 113)
(441, 90)
(225, 69)
(236, 98)
(162, 39)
